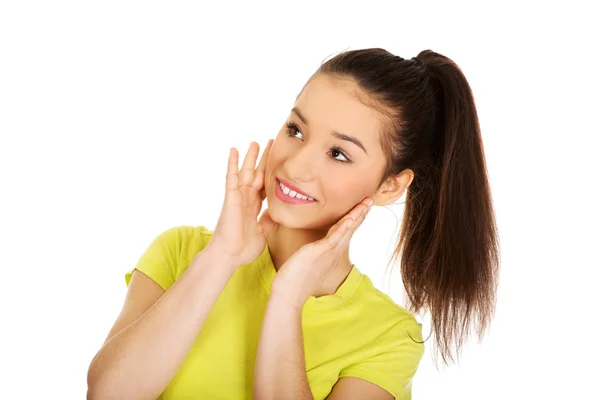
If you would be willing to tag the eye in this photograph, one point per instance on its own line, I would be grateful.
(339, 152)
(292, 129)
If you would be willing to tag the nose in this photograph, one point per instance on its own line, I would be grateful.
(301, 164)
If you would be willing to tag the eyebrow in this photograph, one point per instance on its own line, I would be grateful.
(338, 135)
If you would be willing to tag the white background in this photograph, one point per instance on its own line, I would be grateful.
(116, 118)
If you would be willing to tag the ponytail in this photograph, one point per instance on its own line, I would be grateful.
(450, 258)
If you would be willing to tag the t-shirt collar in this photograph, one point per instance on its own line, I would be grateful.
(266, 270)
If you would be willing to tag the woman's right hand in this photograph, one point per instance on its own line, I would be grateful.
(238, 236)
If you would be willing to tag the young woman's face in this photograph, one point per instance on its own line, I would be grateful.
(329, 148)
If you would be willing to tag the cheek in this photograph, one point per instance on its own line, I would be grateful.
(342, 196)
(342, 190)
(280, 151)
(272, 161)
(335, 191)
(276, 156)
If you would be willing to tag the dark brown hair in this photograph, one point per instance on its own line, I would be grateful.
(448, 243)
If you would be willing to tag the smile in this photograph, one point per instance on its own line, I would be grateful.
(290, 195)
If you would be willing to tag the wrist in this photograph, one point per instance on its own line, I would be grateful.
(213, 256)
(286, 297)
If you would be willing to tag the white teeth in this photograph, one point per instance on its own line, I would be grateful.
(289, 192)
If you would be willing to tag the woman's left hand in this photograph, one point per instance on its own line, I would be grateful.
(301, 274)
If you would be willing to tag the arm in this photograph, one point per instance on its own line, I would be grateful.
(140, 360)
(351, 388)
(280, 371)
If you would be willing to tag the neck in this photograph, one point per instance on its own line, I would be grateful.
(283, 242)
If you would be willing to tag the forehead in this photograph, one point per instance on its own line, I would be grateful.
(333, 104)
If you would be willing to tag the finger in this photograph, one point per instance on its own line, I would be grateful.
(232, 178)
(336, 233)
(357, 215)
(259, 175)
(354, 214)
(247, 170)
(345, 240)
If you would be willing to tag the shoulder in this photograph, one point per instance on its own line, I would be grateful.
(392, 348)
(386, 327)
(185, 234)
(170, 252)
(380, 305)
(185, 240)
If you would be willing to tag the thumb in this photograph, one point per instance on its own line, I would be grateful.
(266, 222)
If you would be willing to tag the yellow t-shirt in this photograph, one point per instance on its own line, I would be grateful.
(358, 331)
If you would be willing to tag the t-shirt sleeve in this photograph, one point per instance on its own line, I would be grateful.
(394, 367)
(160, 260)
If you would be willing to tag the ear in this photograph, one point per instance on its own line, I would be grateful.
(393, 188)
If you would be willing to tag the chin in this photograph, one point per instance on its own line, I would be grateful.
(286, 216)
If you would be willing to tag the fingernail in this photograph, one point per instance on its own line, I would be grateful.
(370, 202)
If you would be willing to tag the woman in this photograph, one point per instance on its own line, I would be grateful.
(274, 308)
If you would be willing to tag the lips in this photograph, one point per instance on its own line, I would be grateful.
(295, 188)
